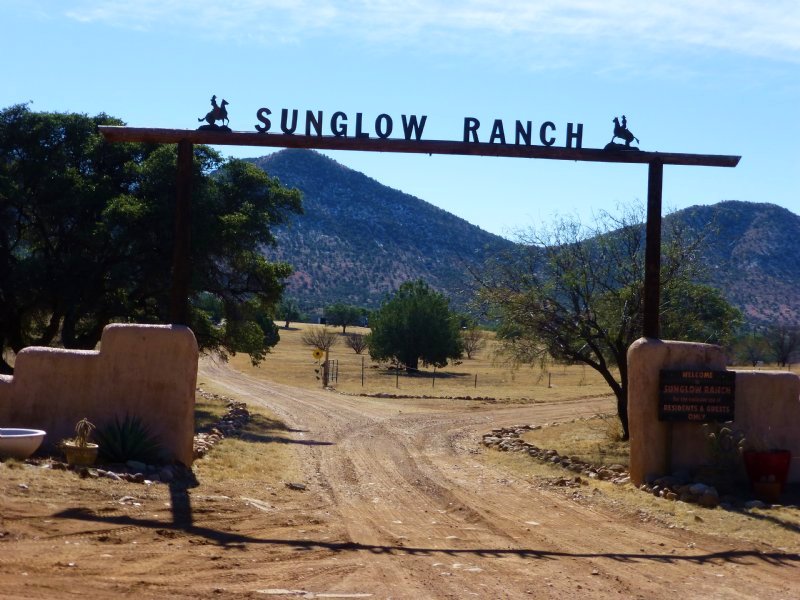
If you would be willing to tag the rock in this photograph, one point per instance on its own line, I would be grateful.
(300, 487)
(754, 504)
(698, 489)
(668, 481)
(709, 499)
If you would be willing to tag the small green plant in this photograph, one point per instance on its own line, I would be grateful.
(725, 447)
(129, 439)
(725, 444)
(83, 429)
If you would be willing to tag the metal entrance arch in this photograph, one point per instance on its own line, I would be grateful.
(179, 309)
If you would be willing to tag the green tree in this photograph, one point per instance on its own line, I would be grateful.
(342, 315)
(288, 311)
(576, 294)
(414, 325)
(752, 348)
(87, 229)
(784, 341)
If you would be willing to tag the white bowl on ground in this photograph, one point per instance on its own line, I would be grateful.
(19, 443)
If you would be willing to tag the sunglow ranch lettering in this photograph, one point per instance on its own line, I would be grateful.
(411, 127)
(339, 125)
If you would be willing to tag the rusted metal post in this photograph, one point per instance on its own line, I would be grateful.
(181, 262)
(652, 253)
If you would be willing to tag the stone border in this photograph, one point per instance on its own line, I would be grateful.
(671, 487)
(507, 439)
(234, 419)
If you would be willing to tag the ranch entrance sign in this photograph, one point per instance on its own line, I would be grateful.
(696, 395)
(292, 128)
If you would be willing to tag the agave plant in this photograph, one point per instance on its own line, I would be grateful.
(129, 439)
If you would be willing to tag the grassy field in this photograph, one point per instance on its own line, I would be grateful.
(485, 375)
(258, 456)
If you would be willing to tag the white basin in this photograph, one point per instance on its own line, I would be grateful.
(19, 443)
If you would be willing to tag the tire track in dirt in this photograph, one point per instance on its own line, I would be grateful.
(426, 518)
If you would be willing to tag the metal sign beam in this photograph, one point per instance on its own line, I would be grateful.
(275, 140)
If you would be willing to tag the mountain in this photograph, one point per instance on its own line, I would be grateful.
(752, 256)
(359, 240)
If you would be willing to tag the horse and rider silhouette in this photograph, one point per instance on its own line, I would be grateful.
(217, 113)
(621, 131)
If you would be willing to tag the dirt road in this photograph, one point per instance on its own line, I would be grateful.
(399, 503)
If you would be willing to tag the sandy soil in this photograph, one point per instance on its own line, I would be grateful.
(400, 502)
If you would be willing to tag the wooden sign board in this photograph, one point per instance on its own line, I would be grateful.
(696, 395)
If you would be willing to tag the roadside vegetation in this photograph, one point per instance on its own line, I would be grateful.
(486, 375)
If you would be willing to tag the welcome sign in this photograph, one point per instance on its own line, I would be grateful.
(316, 123)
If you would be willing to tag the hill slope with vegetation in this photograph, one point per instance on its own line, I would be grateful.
(753, 256)
(359, 240)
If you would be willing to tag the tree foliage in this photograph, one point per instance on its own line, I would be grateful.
(87, 230)
(576, 294)
(752, 348)
(288, 310)
(416, 324)
(342, 315)
(473, 338)
(783, 341)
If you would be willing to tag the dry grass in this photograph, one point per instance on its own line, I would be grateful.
(259, 456)
(777, 527)
(597, 441)
(291, 363)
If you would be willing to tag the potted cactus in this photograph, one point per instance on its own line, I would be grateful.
(80, 452)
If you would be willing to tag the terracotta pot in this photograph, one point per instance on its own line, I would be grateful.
(81, 456)
(768, 466)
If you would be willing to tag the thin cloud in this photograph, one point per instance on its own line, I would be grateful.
(745, 27)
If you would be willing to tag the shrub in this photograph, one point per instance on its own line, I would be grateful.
(128, 440)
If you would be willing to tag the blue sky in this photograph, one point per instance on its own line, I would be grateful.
(699, 76)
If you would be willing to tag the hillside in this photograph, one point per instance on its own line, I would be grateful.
(359, 240)
(753, 256)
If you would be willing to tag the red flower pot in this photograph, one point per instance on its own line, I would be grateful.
(768, 466)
